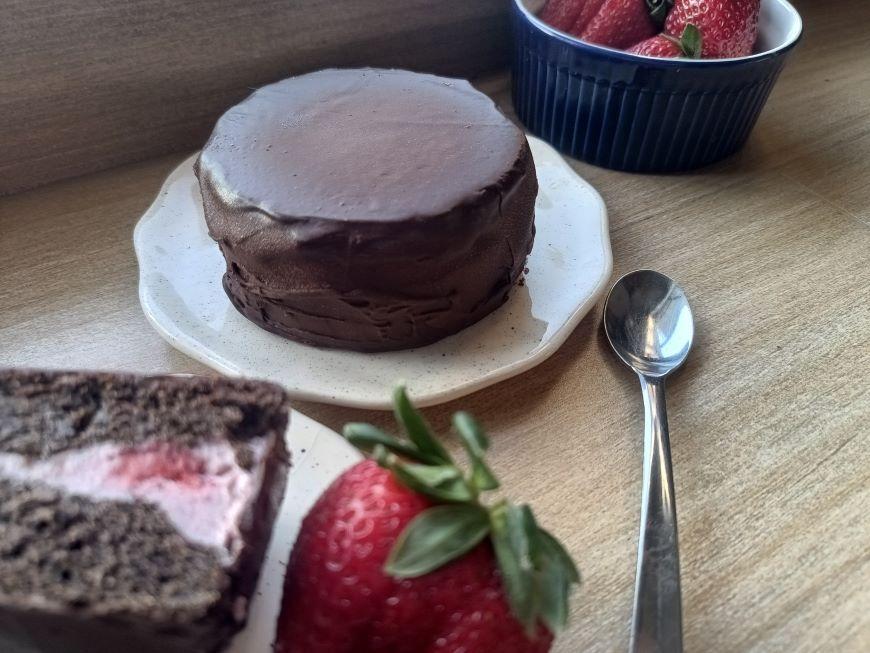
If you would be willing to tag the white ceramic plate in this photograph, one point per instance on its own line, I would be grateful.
(180, 289)
(319, 455)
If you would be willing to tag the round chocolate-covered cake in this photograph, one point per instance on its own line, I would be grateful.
(368, 209)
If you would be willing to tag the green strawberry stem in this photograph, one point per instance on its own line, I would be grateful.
(537, 572)
(690, 43)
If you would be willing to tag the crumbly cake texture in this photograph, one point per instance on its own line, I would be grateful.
(80, 575)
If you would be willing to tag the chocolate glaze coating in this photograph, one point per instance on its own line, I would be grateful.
(368, 209)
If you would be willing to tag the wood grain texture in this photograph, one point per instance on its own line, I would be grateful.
(95, 83)
(769, 419)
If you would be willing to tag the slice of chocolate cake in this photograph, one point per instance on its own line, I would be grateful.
(134, 511)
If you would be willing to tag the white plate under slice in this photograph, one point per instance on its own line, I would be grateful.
(180, 270)
(319, 456)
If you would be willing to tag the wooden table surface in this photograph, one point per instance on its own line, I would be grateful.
(770, 419)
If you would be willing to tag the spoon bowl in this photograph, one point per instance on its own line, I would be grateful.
(648, 322)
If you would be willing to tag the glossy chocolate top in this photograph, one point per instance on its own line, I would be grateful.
(360, 145)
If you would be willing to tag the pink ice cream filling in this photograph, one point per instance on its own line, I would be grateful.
(202, 490)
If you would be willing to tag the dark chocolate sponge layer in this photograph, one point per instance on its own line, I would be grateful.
(96, 576)
(368, 209)
(46, 412)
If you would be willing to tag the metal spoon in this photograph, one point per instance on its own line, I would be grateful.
(648, 322)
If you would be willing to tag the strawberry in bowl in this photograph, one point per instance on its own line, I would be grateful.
(651, 86)
(620, 24)
(719, 30)
(404, 553)
(727, 28)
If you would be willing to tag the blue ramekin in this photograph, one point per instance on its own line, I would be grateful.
(638, 113)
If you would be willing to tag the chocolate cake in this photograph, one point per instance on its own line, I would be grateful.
(368, 209)
(134, 512)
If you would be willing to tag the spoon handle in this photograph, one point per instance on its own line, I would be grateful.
(657, 620)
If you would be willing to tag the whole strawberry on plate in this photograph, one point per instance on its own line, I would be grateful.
(402, 555)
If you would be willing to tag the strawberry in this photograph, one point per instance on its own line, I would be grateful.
(659, 45)
(666, 46)
(590, 9)
(729, 27)
(400, 555)
(570, 15)
(620, 24)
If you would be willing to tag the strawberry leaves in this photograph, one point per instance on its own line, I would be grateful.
(416, 428)
(690, 42)
(536, 571)
(442, 482)
(555, 573)
(435, 537)
(366, 437)
(476, 443)
(512, 544)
